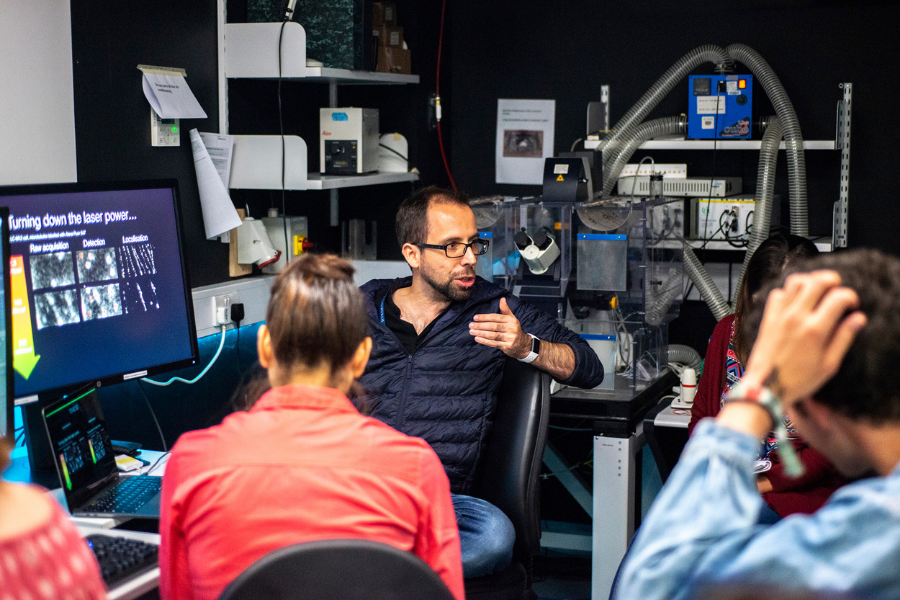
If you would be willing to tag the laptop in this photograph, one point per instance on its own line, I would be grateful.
(84, 459)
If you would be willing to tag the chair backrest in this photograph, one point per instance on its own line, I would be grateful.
(509, 474)
(345, 569)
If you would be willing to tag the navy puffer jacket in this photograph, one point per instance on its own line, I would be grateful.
(446, 391)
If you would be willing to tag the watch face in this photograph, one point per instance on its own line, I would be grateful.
(535, 345)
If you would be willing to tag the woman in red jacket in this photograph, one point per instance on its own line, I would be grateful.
(723, 367)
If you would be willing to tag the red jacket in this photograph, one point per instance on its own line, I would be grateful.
(803, 495)
(302, 465)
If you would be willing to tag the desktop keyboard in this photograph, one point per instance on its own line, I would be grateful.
(122, 558)
(130, 494)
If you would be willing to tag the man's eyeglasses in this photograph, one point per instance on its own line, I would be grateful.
(458, 249)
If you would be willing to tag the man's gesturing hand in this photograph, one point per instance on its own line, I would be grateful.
(501, 331)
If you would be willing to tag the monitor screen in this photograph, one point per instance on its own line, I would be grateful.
(99, 289)
(6, 380)
(81, 446)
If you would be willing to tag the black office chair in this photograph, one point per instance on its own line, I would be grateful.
(509, 476)
(346, 569)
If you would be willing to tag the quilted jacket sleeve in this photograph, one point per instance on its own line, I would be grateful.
(588, 371)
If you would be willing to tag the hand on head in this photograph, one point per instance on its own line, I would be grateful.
(501, 331)
(807, 328)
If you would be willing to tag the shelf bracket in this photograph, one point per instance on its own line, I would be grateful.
(842, 141)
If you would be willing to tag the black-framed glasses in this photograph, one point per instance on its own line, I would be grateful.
(458, 249)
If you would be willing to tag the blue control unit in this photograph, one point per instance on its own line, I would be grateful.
(720, 107)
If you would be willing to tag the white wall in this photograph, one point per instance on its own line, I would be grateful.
(37, 107)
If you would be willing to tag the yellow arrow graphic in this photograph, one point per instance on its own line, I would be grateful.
(24, 358)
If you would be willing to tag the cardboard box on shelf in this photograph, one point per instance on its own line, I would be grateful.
(383, 13)
(393, 59)
(391, 36)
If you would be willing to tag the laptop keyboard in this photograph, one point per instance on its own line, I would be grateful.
(122, 558)
(128, 496)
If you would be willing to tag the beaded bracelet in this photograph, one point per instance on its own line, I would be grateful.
(772, 405)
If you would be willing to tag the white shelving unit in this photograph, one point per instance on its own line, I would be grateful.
(683, 144)
(317, 181)
(251, 51)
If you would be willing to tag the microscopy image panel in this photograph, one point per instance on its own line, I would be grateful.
(51, 270)
(97, 265)
(137, 260)
(101, 302)
(55, 309)
(140, 296)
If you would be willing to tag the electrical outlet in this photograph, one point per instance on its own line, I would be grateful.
(223, 309)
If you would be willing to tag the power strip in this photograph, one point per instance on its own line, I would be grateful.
(669, 171)
(683, 187)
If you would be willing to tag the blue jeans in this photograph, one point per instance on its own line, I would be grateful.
(486, 536)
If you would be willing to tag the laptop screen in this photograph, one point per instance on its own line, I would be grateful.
(81, 446)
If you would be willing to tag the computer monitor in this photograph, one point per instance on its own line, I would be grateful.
(7, 424)
(99, 287)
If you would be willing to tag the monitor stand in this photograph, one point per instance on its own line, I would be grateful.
(40, 456)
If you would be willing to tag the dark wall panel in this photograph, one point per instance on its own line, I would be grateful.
(112, 117)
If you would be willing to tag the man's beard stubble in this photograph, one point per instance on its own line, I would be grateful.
(447, 289)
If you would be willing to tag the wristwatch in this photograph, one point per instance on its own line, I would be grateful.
(535, 350)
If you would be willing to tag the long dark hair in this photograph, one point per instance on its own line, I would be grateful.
(315, 315)
(766, 265)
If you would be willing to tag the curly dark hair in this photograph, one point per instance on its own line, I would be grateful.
(412, 216)
(864, 387)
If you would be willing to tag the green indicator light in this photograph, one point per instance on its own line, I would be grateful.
(174, 130)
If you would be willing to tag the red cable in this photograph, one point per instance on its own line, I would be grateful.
(437, 87)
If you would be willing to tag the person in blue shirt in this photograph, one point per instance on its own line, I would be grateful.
(826, 353)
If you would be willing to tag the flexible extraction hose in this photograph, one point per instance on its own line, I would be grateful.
(629, 142)
(705, 285)
(685, 355)
(659, 90)
(656, 308)
(793, 139)
(765, 190)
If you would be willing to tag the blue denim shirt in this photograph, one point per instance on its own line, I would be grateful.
(702, 532)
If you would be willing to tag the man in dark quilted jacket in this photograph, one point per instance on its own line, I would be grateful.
(440, 340)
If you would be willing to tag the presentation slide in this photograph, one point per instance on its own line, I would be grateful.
(97, 286)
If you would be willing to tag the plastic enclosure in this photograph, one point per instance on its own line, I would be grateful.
(654, 280)
(634, 271)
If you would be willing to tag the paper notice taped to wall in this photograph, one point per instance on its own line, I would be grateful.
(525, 130)
(168, 93)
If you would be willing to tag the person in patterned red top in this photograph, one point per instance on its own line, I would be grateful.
(41, 553)
(724, 367)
